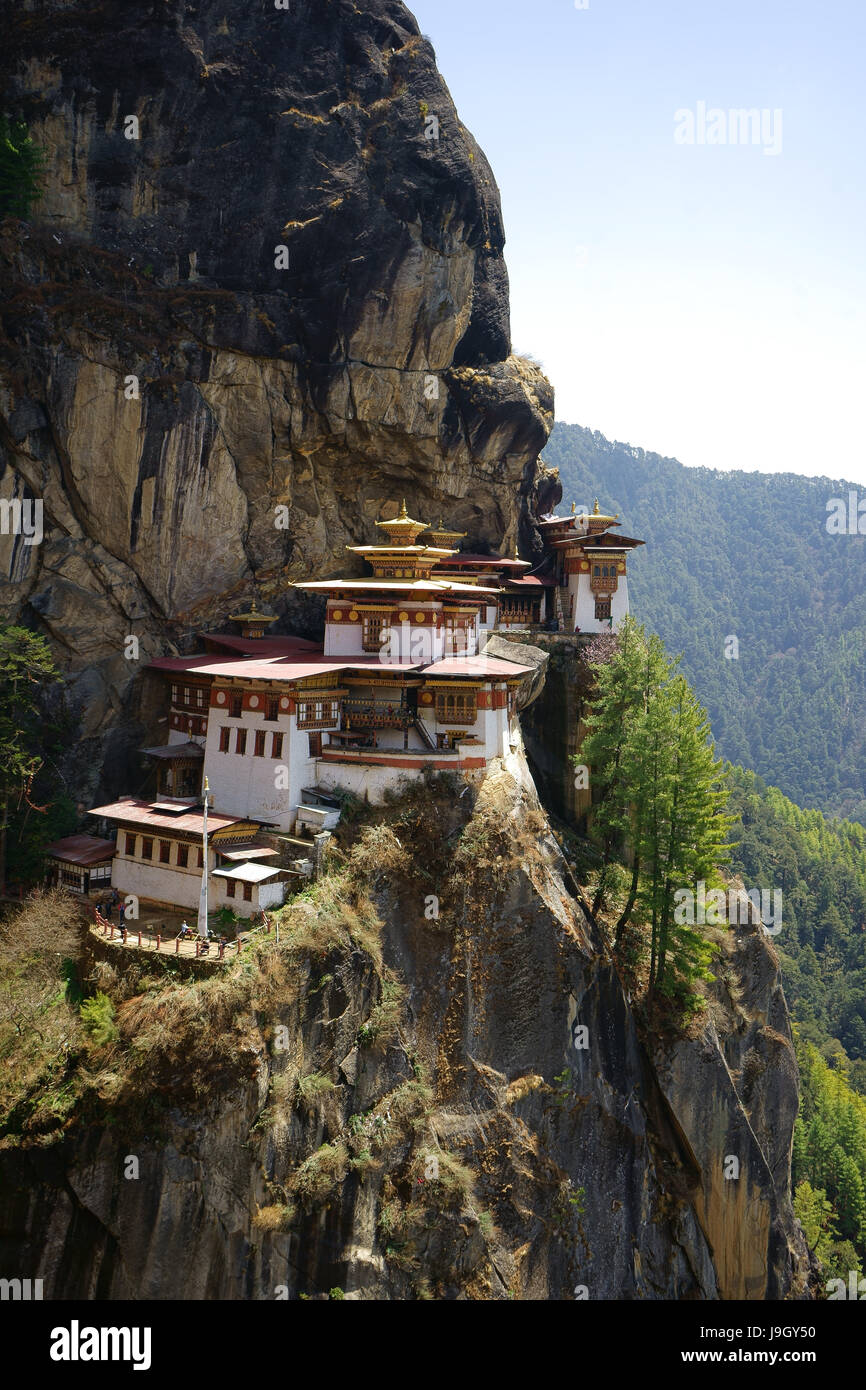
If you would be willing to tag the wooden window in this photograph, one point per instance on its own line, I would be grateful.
(318, 714)
(230, 887)
(199, 697)
(186, 695)
(372, 631)
(241, 741)
(272, 710)
(165, 851)
(200, 857)
(315, 745)
(236, 706)
(130, 845)
(277, 745)
(146, 848)
(259, 750)
(602, 610)
(182, 856)
(175, 691)
(456, 706)
(248, 892)
(225, 739)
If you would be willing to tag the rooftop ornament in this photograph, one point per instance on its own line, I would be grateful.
(402, 529)
(254, 623)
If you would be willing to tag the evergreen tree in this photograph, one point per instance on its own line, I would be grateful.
(26, 668)
(658, 791)
(21, 169)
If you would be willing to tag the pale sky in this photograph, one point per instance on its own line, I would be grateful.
(704, 301)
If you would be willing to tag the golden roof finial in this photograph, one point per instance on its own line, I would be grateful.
(573, 508)
(403, 512)
(595, 510)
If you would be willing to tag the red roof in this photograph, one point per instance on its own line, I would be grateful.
(82, 849)
(282, 670)
(142, 813)
(180, 664)
(489, 561)
(262, 646)
(481, 667)
(531, 581)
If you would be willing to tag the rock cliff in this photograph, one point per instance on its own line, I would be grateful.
(298, 255)
(399, 1103)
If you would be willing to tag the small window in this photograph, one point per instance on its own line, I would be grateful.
(241, 741)
(248, 892)
(146, 848)
(372, 631)
(175, 691)
(225, 739)
(230, 887)
(200, 857)
(165, 851)
(130, 845)
(182, 856)
(277, 745)
(199, 697)
(273, 711)
(236, 706)
(602, 611)
(315, 745)
(186, 694)
(259, 750)
(597, 571)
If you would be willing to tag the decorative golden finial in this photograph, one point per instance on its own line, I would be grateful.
(573, 508)
(596, 511)
(403, 512)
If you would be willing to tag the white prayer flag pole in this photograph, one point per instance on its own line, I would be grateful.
(202, 902)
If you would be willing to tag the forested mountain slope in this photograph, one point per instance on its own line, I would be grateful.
(820, 868)
(747, 555)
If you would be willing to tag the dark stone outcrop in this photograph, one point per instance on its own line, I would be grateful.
(375, 366)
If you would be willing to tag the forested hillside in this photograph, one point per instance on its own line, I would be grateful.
(820, 866)
(746, 555)
(829, 1164)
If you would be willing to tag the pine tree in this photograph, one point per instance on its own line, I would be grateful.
(617, 703)
(21, 169)
(26, 666)
(660, 790)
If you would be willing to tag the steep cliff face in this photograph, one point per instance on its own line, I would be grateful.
(401, 1105)
(300, 259)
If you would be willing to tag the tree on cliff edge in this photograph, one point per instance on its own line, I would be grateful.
(21, 169)
(26, 668)
(657, 790)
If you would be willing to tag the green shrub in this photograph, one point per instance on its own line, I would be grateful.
(97, 1015)
(309, 1087)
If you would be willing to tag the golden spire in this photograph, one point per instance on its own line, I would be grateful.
(573, 508)
(404, 515)
(595, 510)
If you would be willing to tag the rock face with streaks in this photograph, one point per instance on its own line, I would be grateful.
(564, 1164)
(276, 223)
